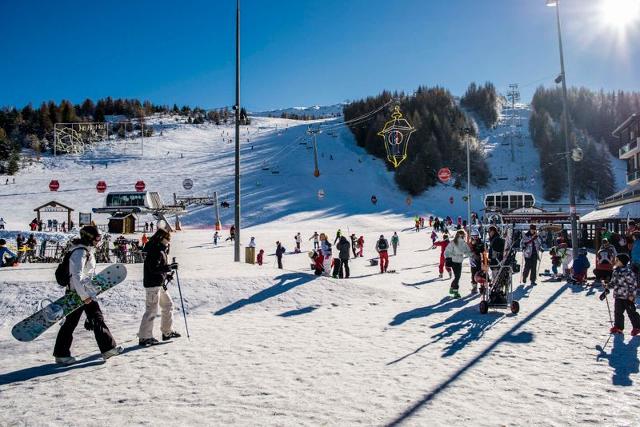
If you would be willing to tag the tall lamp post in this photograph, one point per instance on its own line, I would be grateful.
(467, 134)
(565, 123)
(236, 243)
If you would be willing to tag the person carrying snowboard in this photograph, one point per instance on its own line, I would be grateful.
(624, 284)
(395, 241)
(157, 273)
(382, 246)
(82, 264)
(443, 246)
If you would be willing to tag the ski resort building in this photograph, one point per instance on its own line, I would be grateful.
(614, 212)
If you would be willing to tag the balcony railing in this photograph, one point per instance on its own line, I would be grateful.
(633, 176)
(628, 147)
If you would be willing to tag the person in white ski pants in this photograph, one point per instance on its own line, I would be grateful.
(156, 296)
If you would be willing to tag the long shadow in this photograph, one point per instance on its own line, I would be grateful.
(509, 336)
(424, 282)
(48, 369)
(442, 306)
(298, 312)
(286, 282)
(623, 359)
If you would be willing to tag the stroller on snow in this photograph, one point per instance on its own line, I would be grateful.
(498, 292)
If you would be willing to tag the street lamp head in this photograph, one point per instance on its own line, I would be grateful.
(552, 3)
(559, 79)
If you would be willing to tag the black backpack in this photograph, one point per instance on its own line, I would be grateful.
(383, 245)
(63, 277)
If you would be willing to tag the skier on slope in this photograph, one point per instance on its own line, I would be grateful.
(279, 253)
(395, 241)
(434, 237)
(360, 246)
(157, 274)
(353, 244)
(342, 262)
(2, 223)
(298, 239)
(624, 284)
(82, 264)
(443, 246)
(382, 247)
(316, 240)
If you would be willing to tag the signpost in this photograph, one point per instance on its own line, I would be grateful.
(101, 186)
(444, 175)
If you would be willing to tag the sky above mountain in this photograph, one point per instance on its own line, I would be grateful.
(305, 52)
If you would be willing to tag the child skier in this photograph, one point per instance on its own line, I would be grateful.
(443, 246)
(623, 282)
(580, 267)
(298, 239)
(216, 236)
(260, 257)
(555, 262)
(434, 237)
(605, 257)
(360, 245)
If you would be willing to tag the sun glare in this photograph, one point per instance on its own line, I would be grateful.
(621, 13)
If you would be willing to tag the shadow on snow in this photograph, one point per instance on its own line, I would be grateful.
(623, 359)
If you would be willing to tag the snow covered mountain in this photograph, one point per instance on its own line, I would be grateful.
(315, 111)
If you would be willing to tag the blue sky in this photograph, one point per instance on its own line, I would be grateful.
(300, 52)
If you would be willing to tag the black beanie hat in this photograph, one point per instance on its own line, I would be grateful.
(623, 258)
(89, 232)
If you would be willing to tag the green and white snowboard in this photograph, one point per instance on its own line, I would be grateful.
(34, 325)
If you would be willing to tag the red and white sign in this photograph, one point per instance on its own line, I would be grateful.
(54, 185)
(101, 186)
(140, 186)
(444, 175)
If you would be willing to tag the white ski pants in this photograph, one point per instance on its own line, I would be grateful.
(156, 296)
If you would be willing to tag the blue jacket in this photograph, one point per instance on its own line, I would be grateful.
(581, 264)
(635, 252)
(4, 250)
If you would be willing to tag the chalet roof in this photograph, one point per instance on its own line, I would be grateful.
(630, 210)
(53, 204)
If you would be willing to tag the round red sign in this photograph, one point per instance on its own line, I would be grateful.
(444, 175)
(101, 186)
(54, 185)
(140, 186)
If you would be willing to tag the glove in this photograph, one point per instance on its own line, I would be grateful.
(173, 266)
(604, 294)
(88, 324)
(170, 276)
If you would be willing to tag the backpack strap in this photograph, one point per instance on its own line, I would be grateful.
(69, 259)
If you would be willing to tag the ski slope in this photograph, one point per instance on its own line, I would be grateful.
(284, 347)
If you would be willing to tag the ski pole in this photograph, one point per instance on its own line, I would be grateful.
(606, 298)
(184, 313)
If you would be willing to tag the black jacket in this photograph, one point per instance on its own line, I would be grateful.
(156, 265)
(343, 246)
(496, 249)
(279, 251)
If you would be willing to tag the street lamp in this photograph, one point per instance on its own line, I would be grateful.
(467, 133)
(565, 122)
(236, 243)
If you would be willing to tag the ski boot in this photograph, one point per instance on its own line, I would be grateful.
(454, 293)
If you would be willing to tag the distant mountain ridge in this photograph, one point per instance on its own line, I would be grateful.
(315, 111)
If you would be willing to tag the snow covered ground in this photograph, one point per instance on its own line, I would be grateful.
(284, 347)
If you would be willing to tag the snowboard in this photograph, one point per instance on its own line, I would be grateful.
(34, 325)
